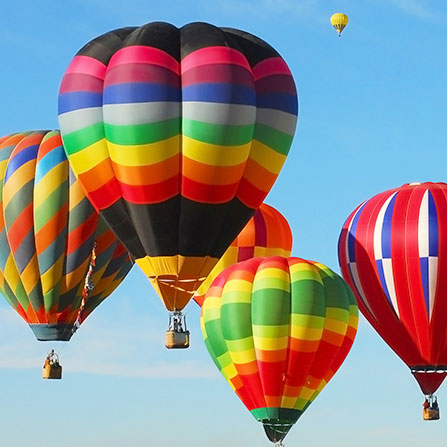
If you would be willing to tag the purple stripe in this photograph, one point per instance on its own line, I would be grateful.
(260, 230)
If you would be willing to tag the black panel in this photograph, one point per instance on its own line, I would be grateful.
(117, 218)
(103, 47)
(254, 48)
(161, 35)
(195, 36)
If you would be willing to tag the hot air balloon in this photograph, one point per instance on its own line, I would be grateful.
(393, 253)
(58, 259)
(339, 22)
(278, 329)
(267, 233)
(176, 136)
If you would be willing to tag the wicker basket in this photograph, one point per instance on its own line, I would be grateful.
(177, 340)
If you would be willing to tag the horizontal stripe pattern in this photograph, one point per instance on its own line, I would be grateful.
(226, 123)
(278, 329)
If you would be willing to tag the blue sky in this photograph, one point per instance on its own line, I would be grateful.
(372, 117)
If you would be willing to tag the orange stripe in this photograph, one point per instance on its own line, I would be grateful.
(98, 176)
(48, 145)
(271, 356)
(245, 369)
(149, 174)
(51, 230)
(79, 235)
(299, 345)
(211, 175)
(258, 176)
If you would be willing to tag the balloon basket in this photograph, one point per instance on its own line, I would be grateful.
(177, 340)
(431, 414)
(52, 372)
(52, 369)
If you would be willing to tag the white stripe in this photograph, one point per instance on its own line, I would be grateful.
(433, 276)
(389, 280)
(277, 119)
(358, 285)
(423, 228)
(217, 113)
(78, 119)
(349, 232)
(140, 112)
(378, 228)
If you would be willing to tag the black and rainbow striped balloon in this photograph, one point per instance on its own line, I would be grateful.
(177, 135)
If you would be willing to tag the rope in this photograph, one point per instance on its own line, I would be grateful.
(88, 286)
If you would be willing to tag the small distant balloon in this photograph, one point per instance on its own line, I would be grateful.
(339, 22)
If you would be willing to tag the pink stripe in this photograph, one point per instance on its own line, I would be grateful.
(218, 73)
(128, 73)
(87, 65)
(271, 66)
(138, 54)
(214, 55)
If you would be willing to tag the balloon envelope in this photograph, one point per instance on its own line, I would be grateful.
(393, 253)
(50, 236)
(339, 22)
(177, 135)
(267, 233)
(278, 329)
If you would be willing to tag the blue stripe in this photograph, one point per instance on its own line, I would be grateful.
(351, 234)
(379, 265)
(386, 229)
(48, 162)
(78, 100)
(134, 92)
(433, 233)
(425, 282)
(278, 101)
(220, 93)
(24, 156)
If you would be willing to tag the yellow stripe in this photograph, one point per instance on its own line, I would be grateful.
(88, 158)
(241, 357)
(11, 273)
(337, 326)
(52, 180)
(240, 345)
(272, 272)
(25, 174)
(306, 333)
(271, 344)
(288, 402)
(30, 275)
(267, 157)
(214, 155)
(306, 393)
(52, 276)
(304, 271)
(144, 154)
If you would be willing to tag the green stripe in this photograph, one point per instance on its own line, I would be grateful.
(271, 307)
(242, 344)
(138, 134)
(270, 331)
(215, 340)
(80, 139)
(50, 206)
(284, 415)
(16, 205)
(52, 297)
(262, 283)
(218, 134)
(308, 298)
(236, 320)
(273, 138)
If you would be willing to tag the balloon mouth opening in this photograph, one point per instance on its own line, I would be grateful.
(53, 332)
(276, 431)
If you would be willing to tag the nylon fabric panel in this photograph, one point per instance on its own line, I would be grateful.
(278, 329)
(170, 116)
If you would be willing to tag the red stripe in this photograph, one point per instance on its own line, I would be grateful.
(218, 73)
(80, 82)
(276, 83)
(149, 194)
(105, 196)
(20, 228)
(81, 234)
(249, 195)
(141, 72)
(214, 194)
(48, 145)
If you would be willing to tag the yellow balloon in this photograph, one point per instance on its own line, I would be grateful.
(339, 22)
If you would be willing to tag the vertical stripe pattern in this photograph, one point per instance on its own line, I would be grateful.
(392, 252)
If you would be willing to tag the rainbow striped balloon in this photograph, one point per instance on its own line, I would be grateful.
(177, 135)
(49, 235)
(278, 329)
(267, 233)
